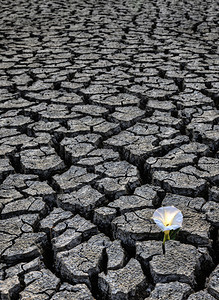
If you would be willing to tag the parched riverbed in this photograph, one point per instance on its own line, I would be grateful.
(108, 110)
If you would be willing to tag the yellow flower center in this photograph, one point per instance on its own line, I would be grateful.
(168, 218)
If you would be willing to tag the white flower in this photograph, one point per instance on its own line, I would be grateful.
(168, 218)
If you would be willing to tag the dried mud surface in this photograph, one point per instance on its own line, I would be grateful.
(108, 110)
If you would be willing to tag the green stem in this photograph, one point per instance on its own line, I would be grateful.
(166, 236)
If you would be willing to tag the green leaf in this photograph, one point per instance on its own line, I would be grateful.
(173, 233)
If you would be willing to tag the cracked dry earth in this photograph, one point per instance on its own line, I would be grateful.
(108, 110)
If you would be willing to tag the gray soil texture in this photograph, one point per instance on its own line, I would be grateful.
(108, 110)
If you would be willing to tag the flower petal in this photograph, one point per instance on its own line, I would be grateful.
(169, 214)
(171, 209)
(178, 219)
(159, 214)
(160, 224)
